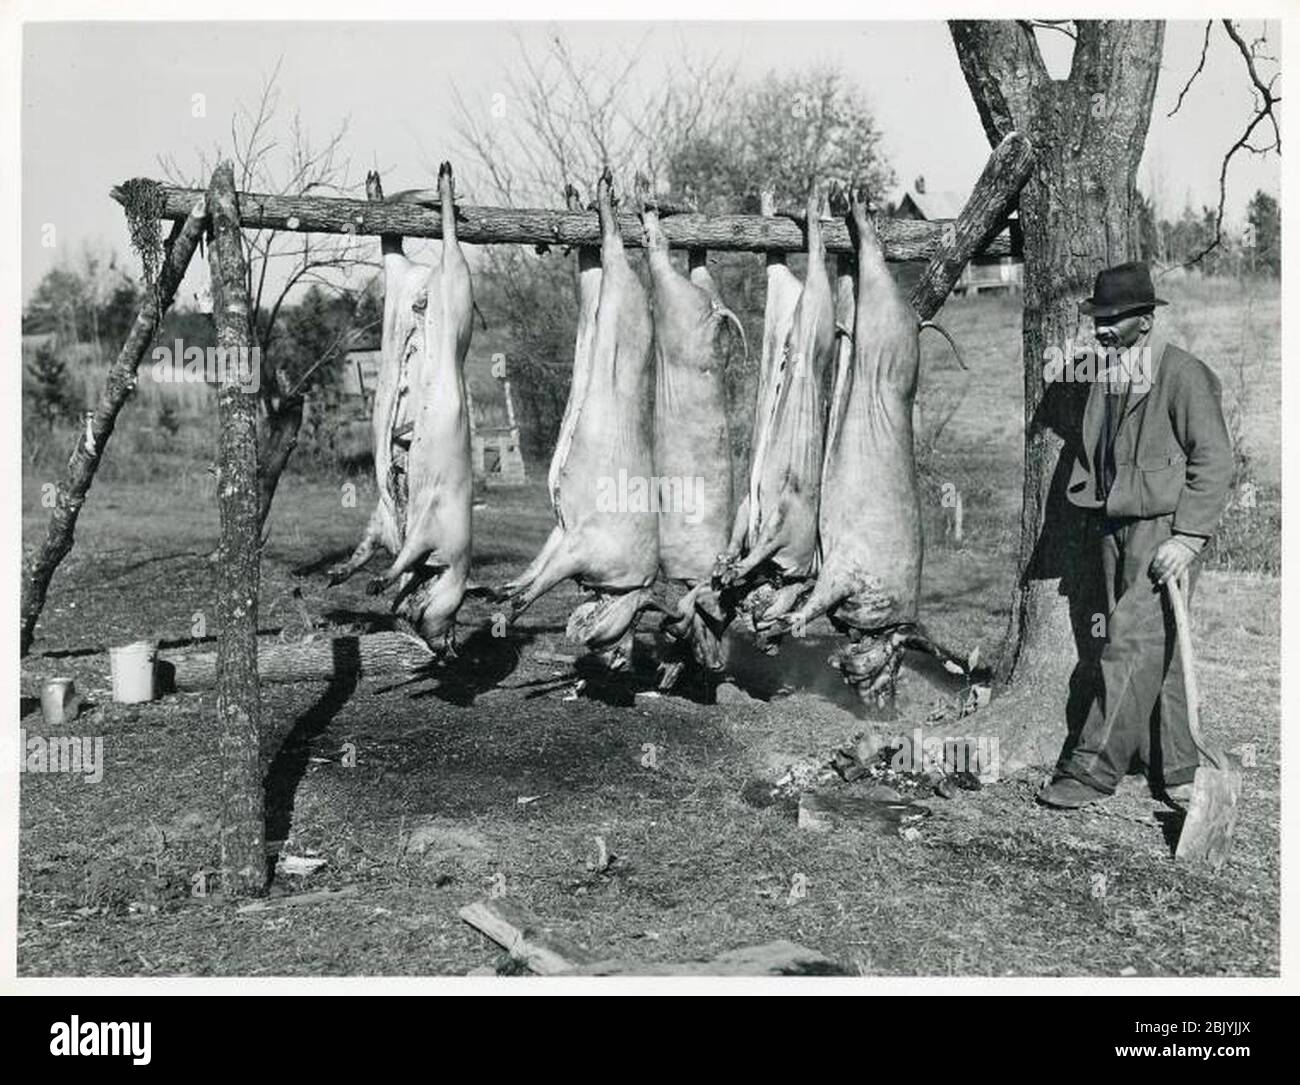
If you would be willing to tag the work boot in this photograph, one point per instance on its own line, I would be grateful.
(1067, 793)
(1178, 796)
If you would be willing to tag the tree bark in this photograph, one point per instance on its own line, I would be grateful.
(901, 239)
(93, 440)
(1076, 213)
(991, 200)
(324, 659)
(243, 854)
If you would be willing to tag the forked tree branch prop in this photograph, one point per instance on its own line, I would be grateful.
(902, 239)
(93, 440)
(991, 200)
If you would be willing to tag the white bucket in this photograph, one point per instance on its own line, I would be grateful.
(60, 702)
(133, 671)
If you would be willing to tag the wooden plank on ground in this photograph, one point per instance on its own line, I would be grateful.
(548, 953)
(525, 937)
(780, 958)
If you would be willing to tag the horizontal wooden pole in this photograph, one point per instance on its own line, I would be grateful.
(322, 659)
(902, 239)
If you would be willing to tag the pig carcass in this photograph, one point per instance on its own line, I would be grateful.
(421, 433)
(606, 534)
(869, 583)
(773, 552)
(692, 445)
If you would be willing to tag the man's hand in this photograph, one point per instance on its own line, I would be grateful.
(1172, 558)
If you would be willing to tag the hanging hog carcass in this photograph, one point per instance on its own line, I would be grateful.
(421, 432)
(773, 552)
(606, 535)
(692, 445)
(869, 583)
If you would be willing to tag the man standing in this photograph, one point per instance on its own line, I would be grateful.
(1156, 465)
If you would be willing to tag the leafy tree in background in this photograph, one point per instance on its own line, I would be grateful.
(117, 313)
(58, 304)
(1265, 219)
(48, 388)
(788, 131)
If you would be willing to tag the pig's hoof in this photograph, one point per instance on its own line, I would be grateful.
(669, 675)
(614, 659)
(871, 666)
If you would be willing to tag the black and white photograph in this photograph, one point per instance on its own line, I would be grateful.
(542, 500)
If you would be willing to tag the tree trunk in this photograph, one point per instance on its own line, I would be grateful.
(243, 854)
(1076, 214)
(93, 440)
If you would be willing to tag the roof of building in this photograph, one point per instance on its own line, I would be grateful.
(944, 204)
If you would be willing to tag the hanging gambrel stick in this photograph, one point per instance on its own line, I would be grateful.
(93, 439)
(901, 239)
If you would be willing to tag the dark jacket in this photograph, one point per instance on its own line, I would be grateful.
(1172, 452)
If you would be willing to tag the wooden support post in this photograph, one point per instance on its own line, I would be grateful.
(901, 239)
(93, 440)
(991, 201)
(239, 709)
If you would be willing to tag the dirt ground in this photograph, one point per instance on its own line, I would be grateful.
(491, 776)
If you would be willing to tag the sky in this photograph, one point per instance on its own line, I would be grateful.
(102, 101)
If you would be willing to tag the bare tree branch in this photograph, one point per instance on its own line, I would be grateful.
(1205, 47)
(1061, 26)
(1265, 100)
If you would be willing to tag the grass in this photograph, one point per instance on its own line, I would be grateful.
(429, 818)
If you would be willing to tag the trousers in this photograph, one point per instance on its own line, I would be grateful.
(1138, 714)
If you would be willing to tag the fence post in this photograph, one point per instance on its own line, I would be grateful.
(239, 711)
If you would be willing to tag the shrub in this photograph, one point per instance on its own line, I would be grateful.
(49, 389)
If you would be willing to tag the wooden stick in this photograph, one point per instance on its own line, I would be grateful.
(546, 953)
(514, 928)
(321, 660)
(901, 239)
(297, 900)
(780, 958)
(93, 440)
(991, 200)
(239, 706)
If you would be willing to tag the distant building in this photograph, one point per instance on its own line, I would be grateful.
(997, 273)
(494, 433)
